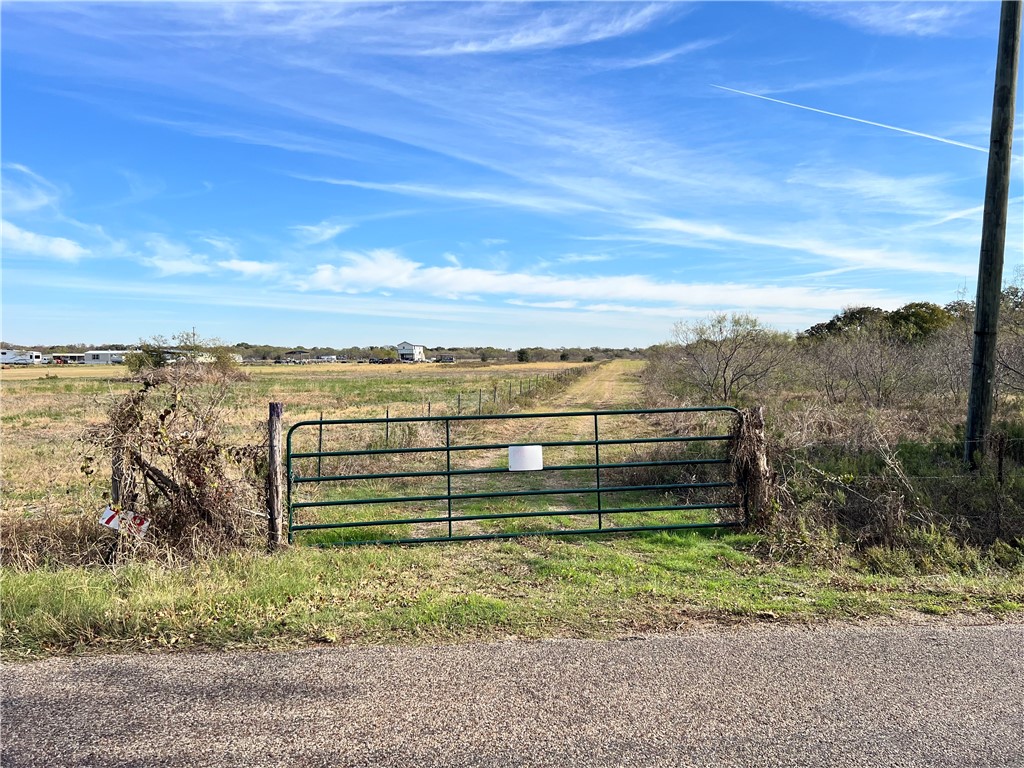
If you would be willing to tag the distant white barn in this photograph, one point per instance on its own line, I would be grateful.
(411, 353)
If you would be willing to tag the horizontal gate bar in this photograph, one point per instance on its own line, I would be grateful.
(505, 416)
(506, 516)
(502, 446)
(508, 494)
(503, 470)
(523, 534)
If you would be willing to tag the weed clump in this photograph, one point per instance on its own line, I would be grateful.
(927, 551)
(909, 510)
(174, 465)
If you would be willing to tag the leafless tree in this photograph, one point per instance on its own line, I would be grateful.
(727, 356)
(946, 360)
(873, 363)
(1010, 346)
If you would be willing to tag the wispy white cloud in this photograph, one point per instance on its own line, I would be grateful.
(260, 135)
(855, 119)
(387, 270)
(429, 30)
(315, 234)
(548, 304)
(902, 19)
(882, 258)
(173, 259)
(473, 117)
(555, 27)
(140, 189)
(30, 196)
(583, 258)
(21, 241)
(222, 244)
(25, 191)
(907, 195)
(509, 198)
(655, 59)
(845, 80)
(250, 268)
(361, 272)
(972, 214)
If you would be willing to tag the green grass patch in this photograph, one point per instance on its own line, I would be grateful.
(537, 587)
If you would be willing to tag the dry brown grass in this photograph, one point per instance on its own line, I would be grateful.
(483, 371)
(46, 498)
(32, 372)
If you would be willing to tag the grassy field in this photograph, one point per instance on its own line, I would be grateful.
(45, 412)
(540, 587)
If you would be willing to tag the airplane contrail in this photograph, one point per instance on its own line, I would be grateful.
(856, 119)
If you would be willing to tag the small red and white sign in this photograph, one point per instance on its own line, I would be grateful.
(118, 519)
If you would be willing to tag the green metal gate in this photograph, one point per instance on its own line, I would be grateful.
(439, 478)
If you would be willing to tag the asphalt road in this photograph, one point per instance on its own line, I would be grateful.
(937, 695)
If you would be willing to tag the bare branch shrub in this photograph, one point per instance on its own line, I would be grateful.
(1010, 345)
(873, 364)
(170, 440)
(726, 357)
(947, 360)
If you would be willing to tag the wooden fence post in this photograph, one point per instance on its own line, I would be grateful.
(753, 471)
(275, 486)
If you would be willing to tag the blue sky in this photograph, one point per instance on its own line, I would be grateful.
(487, 174)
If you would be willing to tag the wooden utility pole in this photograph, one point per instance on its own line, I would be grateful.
(275, 485)
(993, 235)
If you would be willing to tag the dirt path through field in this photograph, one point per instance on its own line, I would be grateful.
(615, 384)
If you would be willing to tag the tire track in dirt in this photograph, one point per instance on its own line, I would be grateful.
(613, 385)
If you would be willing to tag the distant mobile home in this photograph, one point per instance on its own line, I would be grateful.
(20, 357)
(104, 357)
(411, 353)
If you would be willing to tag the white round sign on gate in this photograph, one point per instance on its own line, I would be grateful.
(525, 458)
